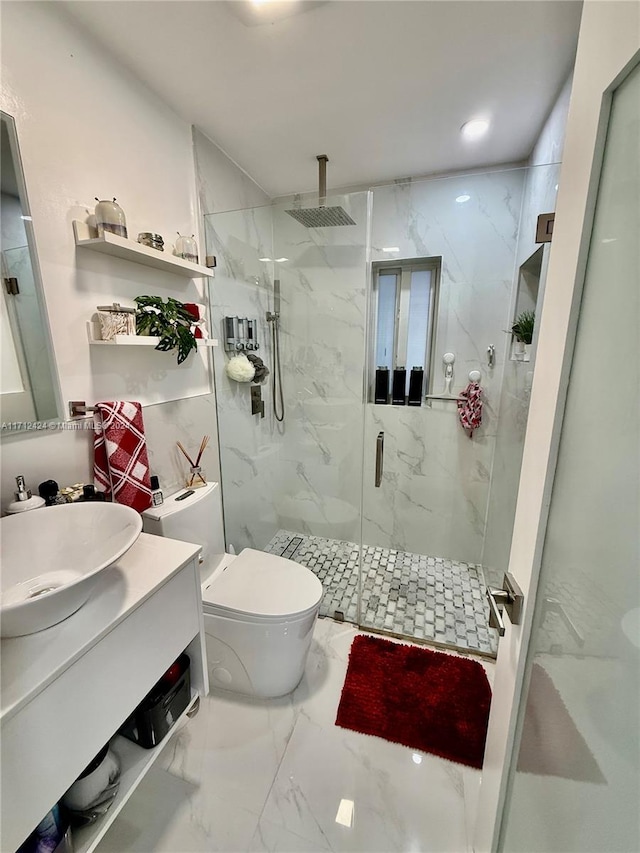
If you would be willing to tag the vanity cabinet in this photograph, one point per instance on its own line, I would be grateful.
(67, 690)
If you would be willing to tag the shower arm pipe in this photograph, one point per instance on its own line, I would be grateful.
(322, 178)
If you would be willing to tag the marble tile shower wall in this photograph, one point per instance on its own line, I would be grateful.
(323, 286)
(249, 445)
(540, 190)
(435, 488)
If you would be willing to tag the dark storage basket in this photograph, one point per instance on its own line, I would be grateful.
(159, 710)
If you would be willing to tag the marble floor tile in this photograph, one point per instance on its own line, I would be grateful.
(236, 743)
(272, 775)
(271, 837)
(167, 814)
(398, 803)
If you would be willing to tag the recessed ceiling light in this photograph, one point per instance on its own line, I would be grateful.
(462, 198)
(474, 129)
(255, 13)
(392, 249)
(281, 260)
(345, 813)
(417, 759)
(265, 260)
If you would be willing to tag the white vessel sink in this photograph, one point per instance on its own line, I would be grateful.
(51, 559)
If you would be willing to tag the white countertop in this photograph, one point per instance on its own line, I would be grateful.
(30, 663)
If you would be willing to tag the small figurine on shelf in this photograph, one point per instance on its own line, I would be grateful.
(187, 248)
(110, 217)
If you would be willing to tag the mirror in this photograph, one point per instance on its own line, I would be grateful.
(28, 383)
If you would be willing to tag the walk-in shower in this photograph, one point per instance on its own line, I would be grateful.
(410, 557)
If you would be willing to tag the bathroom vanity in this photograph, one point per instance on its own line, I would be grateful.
(65, 691)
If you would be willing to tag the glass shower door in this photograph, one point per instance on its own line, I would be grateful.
(292, 486)
(443, 254)
(322, 280)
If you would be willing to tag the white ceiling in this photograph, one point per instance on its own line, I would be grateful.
(381, 87)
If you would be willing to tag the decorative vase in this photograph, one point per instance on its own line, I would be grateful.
(519, 350)
(187, 248)
(110, 217)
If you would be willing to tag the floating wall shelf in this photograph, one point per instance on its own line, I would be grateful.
(129, 250)
(134, 340)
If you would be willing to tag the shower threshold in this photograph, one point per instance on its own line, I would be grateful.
(424, 598)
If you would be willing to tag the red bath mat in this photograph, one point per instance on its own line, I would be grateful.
(426, 700)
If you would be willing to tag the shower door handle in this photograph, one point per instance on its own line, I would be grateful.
(379, 458)
(511, 598)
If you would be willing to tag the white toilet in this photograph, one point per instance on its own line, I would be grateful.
(259, 609)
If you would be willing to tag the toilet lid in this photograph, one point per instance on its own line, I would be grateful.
(261, 584)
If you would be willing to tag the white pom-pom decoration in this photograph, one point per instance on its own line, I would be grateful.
(240, 369)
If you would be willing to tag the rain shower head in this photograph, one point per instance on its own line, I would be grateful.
(321, 216)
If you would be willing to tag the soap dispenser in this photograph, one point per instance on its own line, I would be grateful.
(24, 500)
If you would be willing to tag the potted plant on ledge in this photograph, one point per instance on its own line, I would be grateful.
(522, 331)
(170, 321)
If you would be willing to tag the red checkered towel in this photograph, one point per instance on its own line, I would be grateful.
(121, 464)
(470, 407)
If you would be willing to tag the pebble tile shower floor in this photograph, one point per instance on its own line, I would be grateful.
(426, 598)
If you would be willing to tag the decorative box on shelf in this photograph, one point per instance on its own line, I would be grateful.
(93, 333)
(128, 250)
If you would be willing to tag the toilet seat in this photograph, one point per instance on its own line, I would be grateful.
(262, 587)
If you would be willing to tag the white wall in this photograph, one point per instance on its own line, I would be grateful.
(86, 127)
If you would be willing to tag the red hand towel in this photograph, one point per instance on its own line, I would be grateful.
(121, 464)
(470, 407)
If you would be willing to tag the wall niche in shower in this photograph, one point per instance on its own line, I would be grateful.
(530, 276)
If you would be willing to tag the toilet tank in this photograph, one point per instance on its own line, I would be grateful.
(196, 518)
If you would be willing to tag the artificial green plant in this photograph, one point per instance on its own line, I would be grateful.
(522, 329)
(170, 321)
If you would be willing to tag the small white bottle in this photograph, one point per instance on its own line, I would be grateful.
(24, 500)
(157, 498)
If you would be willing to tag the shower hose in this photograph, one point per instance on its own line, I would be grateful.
(276, 382)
